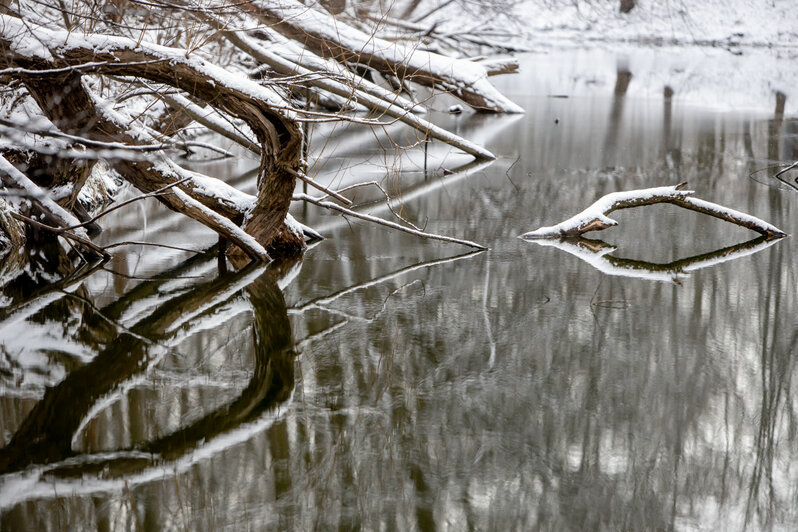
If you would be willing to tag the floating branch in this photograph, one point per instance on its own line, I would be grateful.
(597, 254)
(594, 218)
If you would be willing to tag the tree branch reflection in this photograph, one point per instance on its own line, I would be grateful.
(597, 254)
(47, 433)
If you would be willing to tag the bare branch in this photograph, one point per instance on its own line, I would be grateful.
(88, 244)
(386, 223)
(318, 186)
(154, 193)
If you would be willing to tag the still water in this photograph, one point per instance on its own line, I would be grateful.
(387, 382)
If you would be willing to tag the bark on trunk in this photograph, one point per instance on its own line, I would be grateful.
(279, 136)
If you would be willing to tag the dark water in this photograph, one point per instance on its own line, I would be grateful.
(392, 383)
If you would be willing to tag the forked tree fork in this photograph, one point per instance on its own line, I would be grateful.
(595, 217)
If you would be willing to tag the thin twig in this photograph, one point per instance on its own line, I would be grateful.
(127, 202)
(139, 243)
(83, 140)
(386, 223)
(318, 186)
(84, 66)
(64, 233)
(388, 200)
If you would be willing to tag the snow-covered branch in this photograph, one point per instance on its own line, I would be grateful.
(595, 218)
(96, 87)
(369, 100)
(329, 37)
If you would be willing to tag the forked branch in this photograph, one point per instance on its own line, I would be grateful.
(595, 218)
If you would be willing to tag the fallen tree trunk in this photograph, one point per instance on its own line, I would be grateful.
(279, 136)
(78, 71)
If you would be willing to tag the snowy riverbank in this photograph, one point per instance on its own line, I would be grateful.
(727, 55)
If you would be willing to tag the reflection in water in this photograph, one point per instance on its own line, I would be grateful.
(43, 446)
(597, 254)
(513, 389)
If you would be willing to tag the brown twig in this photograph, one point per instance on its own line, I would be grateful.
(64, 233)
(127, 202)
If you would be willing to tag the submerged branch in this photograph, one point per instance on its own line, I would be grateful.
(386, 223)
(377, 104)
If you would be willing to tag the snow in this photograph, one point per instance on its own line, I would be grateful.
(462, 73)
(30, 188)
(728, 55)
(233, 231)
(210, 118)
(596, 211)
(732, 23)
(101, 186)
(62, 41)
(292, 51)
(725, 211)
(607, 203)
(209, 187)
(300, 229)
(20, 40)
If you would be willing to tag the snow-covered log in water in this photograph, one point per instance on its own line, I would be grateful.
(126, 86)
(595, 218)
(278, 134)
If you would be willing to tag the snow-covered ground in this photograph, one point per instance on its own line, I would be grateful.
(731, 23)
(726, 55)
(707, 77)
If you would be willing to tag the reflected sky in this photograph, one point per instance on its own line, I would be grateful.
(392, 383)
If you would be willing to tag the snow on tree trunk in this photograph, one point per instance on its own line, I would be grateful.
(76, 71)
(279, 136)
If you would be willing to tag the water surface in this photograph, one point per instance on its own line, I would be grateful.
(387, 382)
